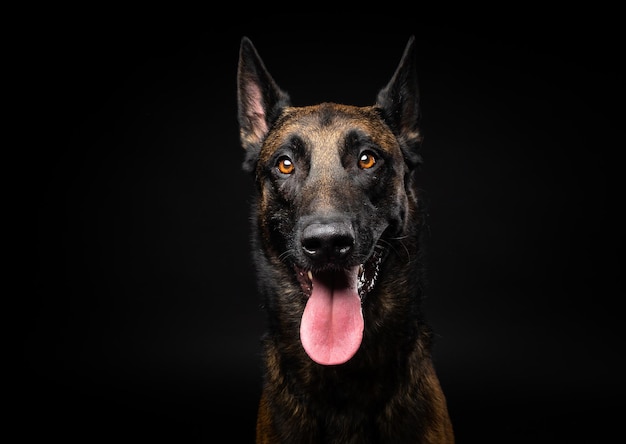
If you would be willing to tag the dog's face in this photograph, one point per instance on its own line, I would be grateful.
(331, 179)
(335, 187)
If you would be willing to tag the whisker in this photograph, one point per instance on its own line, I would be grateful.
(284, 256)
(398, 240)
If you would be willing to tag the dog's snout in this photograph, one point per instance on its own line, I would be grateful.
(327, 241)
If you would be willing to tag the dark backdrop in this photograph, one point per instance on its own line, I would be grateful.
(143, 323)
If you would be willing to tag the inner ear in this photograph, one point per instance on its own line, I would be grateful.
(254, 114)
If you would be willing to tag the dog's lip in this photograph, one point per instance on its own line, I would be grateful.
(367, 274)
(305, 278)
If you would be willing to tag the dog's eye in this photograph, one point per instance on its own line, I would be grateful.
(285, 165)
(367, 160)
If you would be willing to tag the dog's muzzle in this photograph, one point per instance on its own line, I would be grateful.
(330, 247)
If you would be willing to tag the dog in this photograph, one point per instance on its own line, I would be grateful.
(337, 244)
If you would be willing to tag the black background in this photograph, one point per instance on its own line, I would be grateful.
(142, 322)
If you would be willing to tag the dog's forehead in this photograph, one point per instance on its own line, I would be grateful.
(327, 125)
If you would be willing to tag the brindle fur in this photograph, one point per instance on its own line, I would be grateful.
(388, 392)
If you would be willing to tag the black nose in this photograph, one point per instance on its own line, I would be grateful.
(327, 241)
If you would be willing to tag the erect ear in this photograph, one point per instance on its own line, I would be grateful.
(260, 101)
(399, 103)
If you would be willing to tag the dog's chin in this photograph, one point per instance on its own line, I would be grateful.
(367, 273)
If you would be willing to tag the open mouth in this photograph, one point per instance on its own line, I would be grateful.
(332, 324)
(367, 274)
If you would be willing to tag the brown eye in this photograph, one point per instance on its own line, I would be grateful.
(367, 160)
(285, 165)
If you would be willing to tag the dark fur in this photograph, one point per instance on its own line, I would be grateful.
(332, 213)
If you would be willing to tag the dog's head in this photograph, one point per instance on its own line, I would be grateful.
(335, 186)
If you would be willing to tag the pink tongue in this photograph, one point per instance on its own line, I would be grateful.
(331, 329)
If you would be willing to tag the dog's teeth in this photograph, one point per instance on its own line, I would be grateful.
(310, 275)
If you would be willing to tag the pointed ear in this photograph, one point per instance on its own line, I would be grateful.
(399, 103)
(260, 101)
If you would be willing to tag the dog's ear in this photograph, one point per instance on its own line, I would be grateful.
(399, 103)
(260, 101)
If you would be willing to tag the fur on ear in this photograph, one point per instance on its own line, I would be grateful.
(399, 104)
(260, 101)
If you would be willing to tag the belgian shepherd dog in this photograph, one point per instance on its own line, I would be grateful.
(337, 222)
